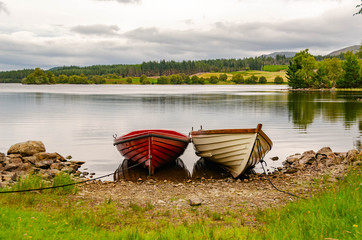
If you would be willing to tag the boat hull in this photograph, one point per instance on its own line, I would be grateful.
(152, 148)
(236, 149)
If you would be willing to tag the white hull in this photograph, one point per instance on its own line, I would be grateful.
(235, 150)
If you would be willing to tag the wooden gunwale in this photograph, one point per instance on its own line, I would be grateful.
(235, 131)
(128, 139)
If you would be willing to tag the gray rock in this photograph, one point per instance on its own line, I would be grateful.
(55, 157)
(299, 166)
(44, 164)
(325, 151)
(291, 170)
(77, 162)
(27, 148)
(11, 167)
(15, 158)
(70, 169)
(30, 159)
(340, 156)
(308, 157)
(26, 167)
(2, 158)
(57, 166)
(292, 159)
(195, 201)
(327, 155)
(352, 156)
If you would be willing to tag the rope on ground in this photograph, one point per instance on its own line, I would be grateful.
(69, 184)
(52, 187)
(266, 174)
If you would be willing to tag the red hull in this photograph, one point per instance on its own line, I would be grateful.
(153, 148)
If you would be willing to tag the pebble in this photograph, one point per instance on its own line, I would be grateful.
(195, 201)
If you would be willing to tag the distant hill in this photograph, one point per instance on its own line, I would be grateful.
(274, 54)
(354, 48)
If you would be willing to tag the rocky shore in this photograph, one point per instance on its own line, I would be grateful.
(31, 157)
(299, 174)
(303, 175)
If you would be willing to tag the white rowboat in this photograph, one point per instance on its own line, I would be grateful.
(235, 149)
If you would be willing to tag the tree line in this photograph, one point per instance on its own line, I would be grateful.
(38, 76)
(305, 72)
(155, 68)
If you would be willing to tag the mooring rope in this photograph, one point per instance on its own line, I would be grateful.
(52, 187)
(266, 174)
(71, 184)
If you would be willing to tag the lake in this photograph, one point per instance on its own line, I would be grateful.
(80, 120)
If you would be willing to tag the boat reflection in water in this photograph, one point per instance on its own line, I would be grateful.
(207, 169)
(131, 171)
(175, 171)
(211, 170)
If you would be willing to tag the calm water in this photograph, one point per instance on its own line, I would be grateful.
(79, 120)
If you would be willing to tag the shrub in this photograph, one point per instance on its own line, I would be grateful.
(262, 79)
(223, 77)
(238, 79)
(213, 80)
(251, 80)
(278, 80)
(129, 80)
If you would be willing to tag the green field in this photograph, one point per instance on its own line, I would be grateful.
(270, 76)
(275, 68)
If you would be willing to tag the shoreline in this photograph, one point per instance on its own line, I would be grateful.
(204, 202)
(299, 171)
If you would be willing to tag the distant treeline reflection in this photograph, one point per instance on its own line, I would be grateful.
(304, 107)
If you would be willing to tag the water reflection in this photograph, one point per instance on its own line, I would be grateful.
(130, 171)
(206, 169)
(80, 120)
(175, 171)
(305, 107)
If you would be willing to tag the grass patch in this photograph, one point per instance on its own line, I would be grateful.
(270, 76)
(275, 68)
(334, 214)
(64, 179)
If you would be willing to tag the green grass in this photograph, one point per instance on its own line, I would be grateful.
(275, 68)
(135, 80)
(335, 213)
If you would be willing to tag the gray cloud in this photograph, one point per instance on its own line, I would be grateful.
(3, 8)
(98, 29)
(225, 39)
(122, 1)
(324, 34)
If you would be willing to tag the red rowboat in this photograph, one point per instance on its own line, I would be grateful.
(152, 148)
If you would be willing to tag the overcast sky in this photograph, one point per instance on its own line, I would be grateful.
(48, 33)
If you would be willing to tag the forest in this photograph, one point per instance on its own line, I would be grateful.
(153, 68)
(303, 71)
